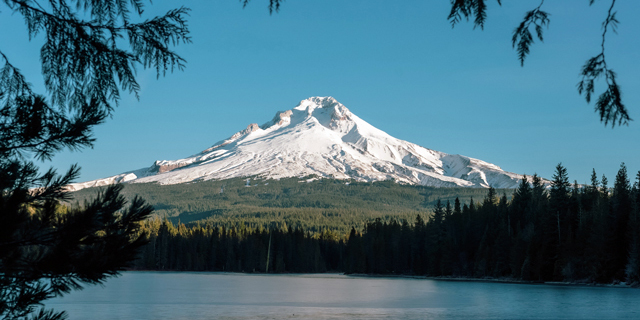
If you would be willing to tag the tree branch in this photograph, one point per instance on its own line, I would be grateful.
(522, 38)
(609, 104)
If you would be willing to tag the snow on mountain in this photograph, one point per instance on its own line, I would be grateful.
(320, 137)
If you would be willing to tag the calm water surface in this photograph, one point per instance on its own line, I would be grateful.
(184, 295)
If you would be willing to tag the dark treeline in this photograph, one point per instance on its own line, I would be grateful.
(216, 248)
(561, 232)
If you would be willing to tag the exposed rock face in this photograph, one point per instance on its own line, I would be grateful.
(250, 128)
(281, 118)
(162, 168)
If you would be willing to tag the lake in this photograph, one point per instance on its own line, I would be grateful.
(190, 295)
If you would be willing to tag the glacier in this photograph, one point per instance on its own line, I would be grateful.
(319, 137)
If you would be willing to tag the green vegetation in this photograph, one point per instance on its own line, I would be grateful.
(89, 56)
(561, 233)
(313, 206)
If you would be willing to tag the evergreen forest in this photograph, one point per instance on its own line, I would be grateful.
(307, 203)
(557, 232)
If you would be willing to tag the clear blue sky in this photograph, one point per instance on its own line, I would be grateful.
(396, 64)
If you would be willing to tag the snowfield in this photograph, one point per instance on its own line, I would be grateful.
(320, 137)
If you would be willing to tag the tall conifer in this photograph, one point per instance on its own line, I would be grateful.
(621, 207)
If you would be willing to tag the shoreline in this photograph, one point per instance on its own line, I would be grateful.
(621, 285)
(499, 280)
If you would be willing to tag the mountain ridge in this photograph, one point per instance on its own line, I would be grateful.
(319, 137)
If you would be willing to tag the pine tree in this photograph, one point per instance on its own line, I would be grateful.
(419, 245)
(491, 196)
(45, 251)
(436, 233)
(632, 269)
(456, 207)
(520, 204)
(621, 207)
(604, 187)
(559, 200)
(501, 264)
(597, 255)
(556, 222)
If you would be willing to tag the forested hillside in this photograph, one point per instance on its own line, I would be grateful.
(313, 205)
(566, 232)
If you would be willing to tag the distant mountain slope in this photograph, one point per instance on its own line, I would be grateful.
(314, 205)
(320, 137)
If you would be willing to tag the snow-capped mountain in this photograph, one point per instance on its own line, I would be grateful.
(320, 137)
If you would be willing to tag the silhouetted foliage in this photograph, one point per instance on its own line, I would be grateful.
(47, 249)
(609, 104)
(274, 5)
(522, 38)
(469, 8)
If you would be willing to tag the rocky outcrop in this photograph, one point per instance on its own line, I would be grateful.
(161, 167)
(279, 119)
(250, 128)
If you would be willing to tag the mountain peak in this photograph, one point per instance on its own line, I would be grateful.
(325, 110)
(313, 103)
(320, 137)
